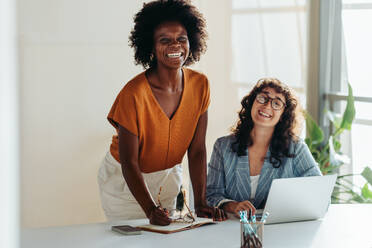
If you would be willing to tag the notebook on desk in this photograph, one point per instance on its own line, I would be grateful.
(177, 226)
(299, 199)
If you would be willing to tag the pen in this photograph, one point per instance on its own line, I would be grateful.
(254, 223)
(264, 216)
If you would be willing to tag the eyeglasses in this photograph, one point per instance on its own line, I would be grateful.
(276, 103)
(175, 214)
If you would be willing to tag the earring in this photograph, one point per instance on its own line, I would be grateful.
(151, 57)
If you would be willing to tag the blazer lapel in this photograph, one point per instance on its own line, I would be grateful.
(268, 172)
(243, 182)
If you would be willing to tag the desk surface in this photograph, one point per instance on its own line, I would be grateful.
(343, 226)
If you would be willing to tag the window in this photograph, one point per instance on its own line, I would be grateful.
(356, 20)
(268, 39)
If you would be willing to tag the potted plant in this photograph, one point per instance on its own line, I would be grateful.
(326, 151)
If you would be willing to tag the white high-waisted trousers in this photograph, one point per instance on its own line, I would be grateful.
(118, 202)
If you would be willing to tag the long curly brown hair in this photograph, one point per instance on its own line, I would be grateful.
(286, 130)
(156, 12)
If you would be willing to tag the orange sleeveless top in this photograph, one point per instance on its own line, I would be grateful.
(162, 141)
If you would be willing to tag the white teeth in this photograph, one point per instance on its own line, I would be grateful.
(174, 55)
(264, 114)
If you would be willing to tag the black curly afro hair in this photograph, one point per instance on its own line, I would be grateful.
(154, 13)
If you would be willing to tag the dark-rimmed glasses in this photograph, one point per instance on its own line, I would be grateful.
(276, 103)
(180, 218)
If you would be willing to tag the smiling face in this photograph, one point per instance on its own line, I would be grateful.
(263, 114)
(171, 45)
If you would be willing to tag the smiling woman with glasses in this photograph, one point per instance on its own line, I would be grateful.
(263, 146)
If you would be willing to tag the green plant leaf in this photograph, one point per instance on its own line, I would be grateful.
(336, 120)
(337, 145)
(336, 159)
(329, 169)
(349, 113)
(366, 192)
(358, 199)
(367, 174)
(314, 132)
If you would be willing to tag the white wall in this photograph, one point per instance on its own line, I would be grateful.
(216, 64)
(74, 59)
(9, 145)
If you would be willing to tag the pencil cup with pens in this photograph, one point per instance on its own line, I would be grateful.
(251, 230)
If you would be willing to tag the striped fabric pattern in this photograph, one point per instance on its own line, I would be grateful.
(229, 177)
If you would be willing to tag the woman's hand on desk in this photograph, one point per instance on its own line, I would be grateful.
(234, 207)
(211, 212)
(159, 216)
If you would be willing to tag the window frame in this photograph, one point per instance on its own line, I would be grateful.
(278, 9)
(332, 95)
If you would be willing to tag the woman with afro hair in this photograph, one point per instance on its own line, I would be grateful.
(159, 115)
(263, 146)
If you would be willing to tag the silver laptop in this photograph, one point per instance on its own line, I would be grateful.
(299, 199)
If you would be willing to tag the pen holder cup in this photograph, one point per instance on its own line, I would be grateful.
(251, 237)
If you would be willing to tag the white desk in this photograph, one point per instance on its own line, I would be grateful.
(344, 226)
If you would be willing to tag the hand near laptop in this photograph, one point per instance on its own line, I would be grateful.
(234, 207)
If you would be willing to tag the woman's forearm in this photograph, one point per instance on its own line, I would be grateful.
(137, 187)
(198, 175)
(128, 152)
(197, 156)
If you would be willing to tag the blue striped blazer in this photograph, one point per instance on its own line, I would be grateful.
(229, 178)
